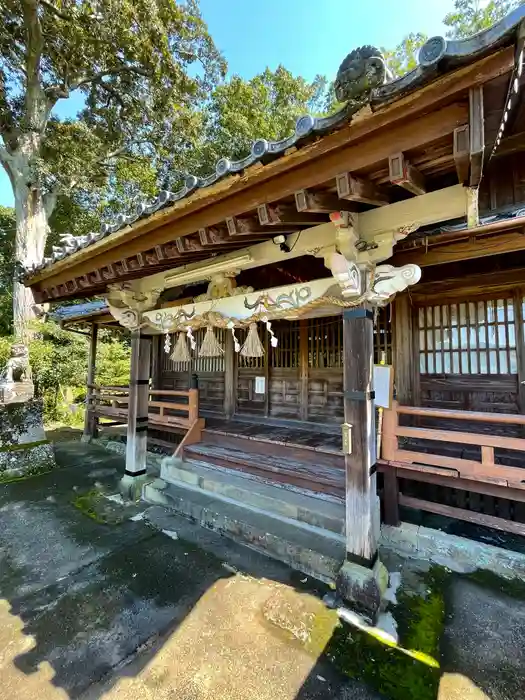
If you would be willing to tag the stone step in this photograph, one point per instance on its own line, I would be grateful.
(310, 550)
(319, 510)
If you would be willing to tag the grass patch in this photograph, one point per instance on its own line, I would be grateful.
(409, 669)
(18, 447)
(96, 506)
(30, 474)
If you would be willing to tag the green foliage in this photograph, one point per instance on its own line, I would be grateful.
(113, 363)
(7, 268)
(267, 106)
(58, 359)
(472, 16)
(467, 18)
(403, 58)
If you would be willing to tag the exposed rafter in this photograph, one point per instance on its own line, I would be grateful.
(275, 215)
(402, 173)
(321, 202)
(357, 189)
(249, 226)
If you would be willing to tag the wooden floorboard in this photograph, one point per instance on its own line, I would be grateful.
(314, 477)
(300, 435)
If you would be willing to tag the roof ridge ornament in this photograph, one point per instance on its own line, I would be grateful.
(363, 70)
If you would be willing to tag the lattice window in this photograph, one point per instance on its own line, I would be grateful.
(325, 342)
(468, 338)
(286, 354)
(383, 336)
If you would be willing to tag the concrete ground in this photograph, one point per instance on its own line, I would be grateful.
(122, 611)
(117, 610)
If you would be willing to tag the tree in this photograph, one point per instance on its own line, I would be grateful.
(467, 18)
(265, 107)
(7, 269)
(403, 58)
(472, 16)
(141, 66)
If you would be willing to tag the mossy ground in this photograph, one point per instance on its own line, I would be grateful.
(410, 669)
(96, 506)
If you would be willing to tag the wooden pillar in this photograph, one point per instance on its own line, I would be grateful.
(229, 376)
(90, 424)
(137, 434)
(405, 353)
(519, 294)
(303, 368)
(359, 578)
(155, 362)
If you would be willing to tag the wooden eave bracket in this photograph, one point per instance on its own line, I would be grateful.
(405, 175)
(357, 189)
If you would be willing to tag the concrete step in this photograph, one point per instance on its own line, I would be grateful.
(311, 550)
(319, 510)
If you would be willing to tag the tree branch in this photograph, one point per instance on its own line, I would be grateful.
(61, 15)
(97, 77)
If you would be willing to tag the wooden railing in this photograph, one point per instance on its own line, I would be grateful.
(111, 402)
(420, 463)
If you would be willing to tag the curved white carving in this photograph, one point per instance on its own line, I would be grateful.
(389, 280)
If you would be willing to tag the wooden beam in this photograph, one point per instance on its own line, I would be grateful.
(300, 169)
(441, 205)
(188, 244)
(462, 514)
(477, 134)
(249, 226)
(357, 189)
(462, 250)
(280, 214)
(405, 175)
(322, 202)
(462, 153)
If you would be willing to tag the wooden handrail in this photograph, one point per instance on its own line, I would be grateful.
(478, 470)
(462, 415)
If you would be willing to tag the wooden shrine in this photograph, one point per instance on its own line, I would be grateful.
(260, 297)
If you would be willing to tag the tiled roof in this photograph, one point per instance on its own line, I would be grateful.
(66, 313)
(437, 56)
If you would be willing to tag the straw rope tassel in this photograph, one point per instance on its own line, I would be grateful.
(252, 345)
(181, 352)
(210, 345)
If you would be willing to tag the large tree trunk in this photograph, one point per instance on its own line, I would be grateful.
(31, 232)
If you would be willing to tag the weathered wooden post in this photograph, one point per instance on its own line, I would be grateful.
(137, 434)
(89, 419)
(362, 580)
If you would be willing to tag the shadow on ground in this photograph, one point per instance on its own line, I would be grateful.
(124, 611)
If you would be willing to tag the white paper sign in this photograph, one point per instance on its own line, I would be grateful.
(260, 385)
(383, 385)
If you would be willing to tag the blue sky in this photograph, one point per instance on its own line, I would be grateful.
(306, 36)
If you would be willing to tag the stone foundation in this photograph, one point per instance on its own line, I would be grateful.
(24, 450)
